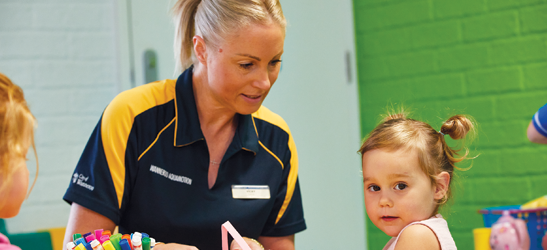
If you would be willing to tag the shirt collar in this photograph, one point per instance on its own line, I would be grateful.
(187, 126)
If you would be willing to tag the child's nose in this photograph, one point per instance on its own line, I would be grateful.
(385, 201)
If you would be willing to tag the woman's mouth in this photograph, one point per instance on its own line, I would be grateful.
(252, 96)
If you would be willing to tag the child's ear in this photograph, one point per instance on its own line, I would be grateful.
(443, 182)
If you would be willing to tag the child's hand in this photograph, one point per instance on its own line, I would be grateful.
(255, 245)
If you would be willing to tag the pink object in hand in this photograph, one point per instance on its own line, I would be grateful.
(509, 233)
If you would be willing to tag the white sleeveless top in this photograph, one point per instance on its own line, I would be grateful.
(438, 225)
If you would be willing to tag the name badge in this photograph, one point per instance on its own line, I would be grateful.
(251, 191)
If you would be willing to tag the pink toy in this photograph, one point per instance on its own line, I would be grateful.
(509, 233)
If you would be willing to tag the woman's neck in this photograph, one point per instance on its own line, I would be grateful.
(214, 118)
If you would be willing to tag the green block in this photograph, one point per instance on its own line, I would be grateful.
(463, 57)
(463, 218)
(486, 164)
(504, 134)
(524, 161)
(438, 87)
(490, 26)
(537, 183)
(480, 108)
(534, 19)
(505, 4)
(519, 106)
(32, 241)
(464, 240)
(498, 80)
(385, 41)
(385, 92)
(505, 190)
(411, 63)
(444, 9)
(372, 69)
(399, 13)
(518, 50)
(534, 76)
(435, 34)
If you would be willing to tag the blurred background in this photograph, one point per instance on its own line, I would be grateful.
(345, 62)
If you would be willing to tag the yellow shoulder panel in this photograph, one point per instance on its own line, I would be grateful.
(118, 120)
(265, 114)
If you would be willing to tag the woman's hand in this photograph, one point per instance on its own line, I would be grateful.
(173, 246)
(255, 245)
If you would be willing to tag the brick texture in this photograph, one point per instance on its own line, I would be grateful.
(63, 54)
(485, 58)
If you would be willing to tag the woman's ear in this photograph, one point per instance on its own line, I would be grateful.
(443, 182)
(200, 49)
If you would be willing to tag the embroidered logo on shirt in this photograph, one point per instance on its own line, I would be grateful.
(81, 180)
(170, 176)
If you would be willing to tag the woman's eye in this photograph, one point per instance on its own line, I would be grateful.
(374, 188)
(245, 65)
(400, 186)
(275, 62)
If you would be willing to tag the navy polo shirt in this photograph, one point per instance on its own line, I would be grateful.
(145, 167)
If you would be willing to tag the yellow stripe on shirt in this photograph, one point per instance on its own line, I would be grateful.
(265, 114)
(118, 120)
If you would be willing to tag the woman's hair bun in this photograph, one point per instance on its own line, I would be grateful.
(457, 127)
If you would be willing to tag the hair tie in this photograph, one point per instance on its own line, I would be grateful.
(441, 133)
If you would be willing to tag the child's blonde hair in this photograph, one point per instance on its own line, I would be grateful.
(16, 125)
(397, 132)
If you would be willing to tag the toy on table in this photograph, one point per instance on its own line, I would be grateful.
(509, 233)
(104, 240)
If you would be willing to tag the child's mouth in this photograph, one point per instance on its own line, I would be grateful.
(389, 218)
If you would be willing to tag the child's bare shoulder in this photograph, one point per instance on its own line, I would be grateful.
(418, 236)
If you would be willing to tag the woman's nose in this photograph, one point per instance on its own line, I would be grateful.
(262, 81)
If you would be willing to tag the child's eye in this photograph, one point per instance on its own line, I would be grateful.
(400, 186)
(374, 188)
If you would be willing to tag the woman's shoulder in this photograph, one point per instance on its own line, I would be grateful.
(136, 100)
(267, 115)
(418, 236)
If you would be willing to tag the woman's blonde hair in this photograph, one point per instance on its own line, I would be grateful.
(214, 20)
(16, 126)
(397, 132)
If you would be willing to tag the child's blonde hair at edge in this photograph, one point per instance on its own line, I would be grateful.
(397, 132)
(17, 125)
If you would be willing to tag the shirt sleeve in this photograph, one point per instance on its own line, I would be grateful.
(91, 185)
(99, 180)
(540, 120)
(288, 216)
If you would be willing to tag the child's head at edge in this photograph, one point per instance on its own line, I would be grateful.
(16, 136)
(399, 133)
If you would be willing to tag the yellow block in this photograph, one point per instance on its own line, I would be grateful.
(57, 237)
(482, 238)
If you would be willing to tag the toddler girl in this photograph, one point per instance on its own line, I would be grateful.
(407, 171)
(16, 136)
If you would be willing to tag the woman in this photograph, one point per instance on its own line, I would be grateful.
(176, 159)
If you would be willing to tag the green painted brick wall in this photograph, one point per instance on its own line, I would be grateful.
(486, 58)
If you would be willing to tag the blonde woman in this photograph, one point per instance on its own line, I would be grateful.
(176, 159)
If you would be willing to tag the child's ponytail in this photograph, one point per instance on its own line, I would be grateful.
(457, 127)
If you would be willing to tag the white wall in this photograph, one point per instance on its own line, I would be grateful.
(62, 53)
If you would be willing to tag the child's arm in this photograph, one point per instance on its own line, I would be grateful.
(418, 237)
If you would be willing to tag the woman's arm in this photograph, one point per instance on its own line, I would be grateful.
(277, 243)
(82, 220)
